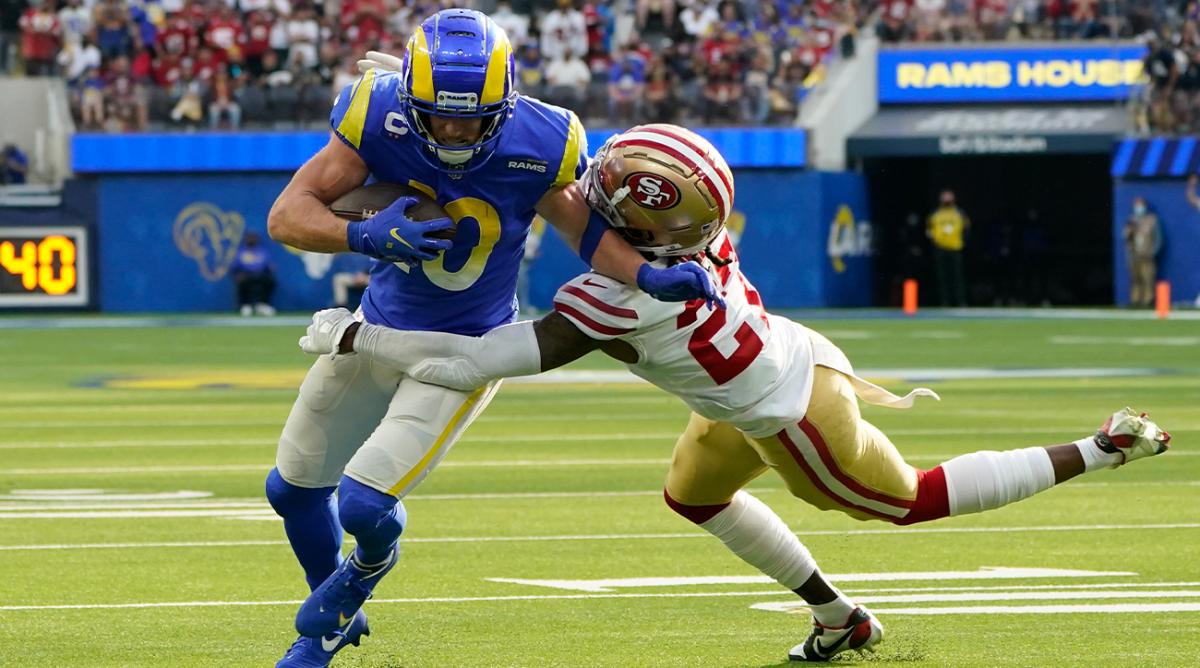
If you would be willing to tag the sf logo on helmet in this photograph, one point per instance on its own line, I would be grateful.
(652, 191)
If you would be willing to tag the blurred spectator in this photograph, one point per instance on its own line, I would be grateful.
(786, 90)
(303, 32)
(722, 94)
(351, 273)
(187, 96)
(531, 71)
(516, 26)
(1143, 241)
(566, 82)
(257, 40)
(697, 18)
(947, 229)
(661, 102)
(655, 21)
(347, 75)
(41, 37)
(16, 165)
(77, 58)
(115, 33)
(125, 97)
(91, 99)
(223, 103)
(363, 23)
(76, 21)
(1163, 66)
(282, 59)
(10, 31)
(254, 277)
(564, 31)
(626, 81)
(755, 97)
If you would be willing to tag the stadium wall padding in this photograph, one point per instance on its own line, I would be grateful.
(1180, 225)
(166, 242)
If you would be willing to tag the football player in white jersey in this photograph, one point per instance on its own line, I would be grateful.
(765, 392)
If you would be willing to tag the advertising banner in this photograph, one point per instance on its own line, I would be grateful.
(1059, 73)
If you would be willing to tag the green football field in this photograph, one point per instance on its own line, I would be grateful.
(134, 532)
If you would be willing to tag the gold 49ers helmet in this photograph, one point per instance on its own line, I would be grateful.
(665, 189)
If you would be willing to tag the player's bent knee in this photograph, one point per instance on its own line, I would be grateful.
(933, 498)
(362, 509)
(287, 498)
(696, 514)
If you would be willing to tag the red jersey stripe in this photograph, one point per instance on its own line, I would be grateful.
(574, 314)
(595, 302)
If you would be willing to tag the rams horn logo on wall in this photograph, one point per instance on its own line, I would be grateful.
(652, 191)
(209, 236)
(847, 238)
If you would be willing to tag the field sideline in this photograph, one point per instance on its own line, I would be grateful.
(134, 532)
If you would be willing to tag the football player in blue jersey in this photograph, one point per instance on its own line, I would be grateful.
(451, 124)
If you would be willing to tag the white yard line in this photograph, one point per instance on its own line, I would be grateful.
(1034, 609)
(628, 536)
(985, 573)
(1110, 608)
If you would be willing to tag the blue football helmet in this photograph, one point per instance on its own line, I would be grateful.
(458, 63)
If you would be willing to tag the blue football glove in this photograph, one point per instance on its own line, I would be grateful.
(390, 235)
(679, 283)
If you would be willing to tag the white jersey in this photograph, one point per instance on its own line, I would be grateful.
(737, 365)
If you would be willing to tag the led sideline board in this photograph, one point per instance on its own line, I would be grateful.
(43, 266)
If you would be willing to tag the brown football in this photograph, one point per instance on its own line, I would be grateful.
(366, 201)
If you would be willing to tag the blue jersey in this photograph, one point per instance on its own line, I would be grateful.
(470, 288)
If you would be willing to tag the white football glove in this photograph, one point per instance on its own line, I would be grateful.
(378, 60)
(326, 331)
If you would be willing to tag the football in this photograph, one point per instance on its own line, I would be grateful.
(366, 201)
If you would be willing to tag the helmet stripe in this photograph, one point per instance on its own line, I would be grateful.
(690, 158)
(352, 123)
(422, 67)
(497, 82)
(706, 154)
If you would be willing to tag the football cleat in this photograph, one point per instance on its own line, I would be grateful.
(317, 652)
(862, 631)
(1131, 435)
(334, 603)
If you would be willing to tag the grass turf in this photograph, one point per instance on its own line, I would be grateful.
(562, 483)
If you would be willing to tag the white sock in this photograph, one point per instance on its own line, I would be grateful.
(834, 613)
(1093, 457)
(987, 479)
(756, 534)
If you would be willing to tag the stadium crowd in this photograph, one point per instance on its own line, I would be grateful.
(277, 62)
(190, 63)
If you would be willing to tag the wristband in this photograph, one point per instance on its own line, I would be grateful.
(354, 237)
(590, 240)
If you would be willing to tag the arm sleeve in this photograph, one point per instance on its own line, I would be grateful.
(451, 360)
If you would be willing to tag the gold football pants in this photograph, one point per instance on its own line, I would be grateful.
(833, 459)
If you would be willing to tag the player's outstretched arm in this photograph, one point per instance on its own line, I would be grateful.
(300, 216)
(451, 360)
